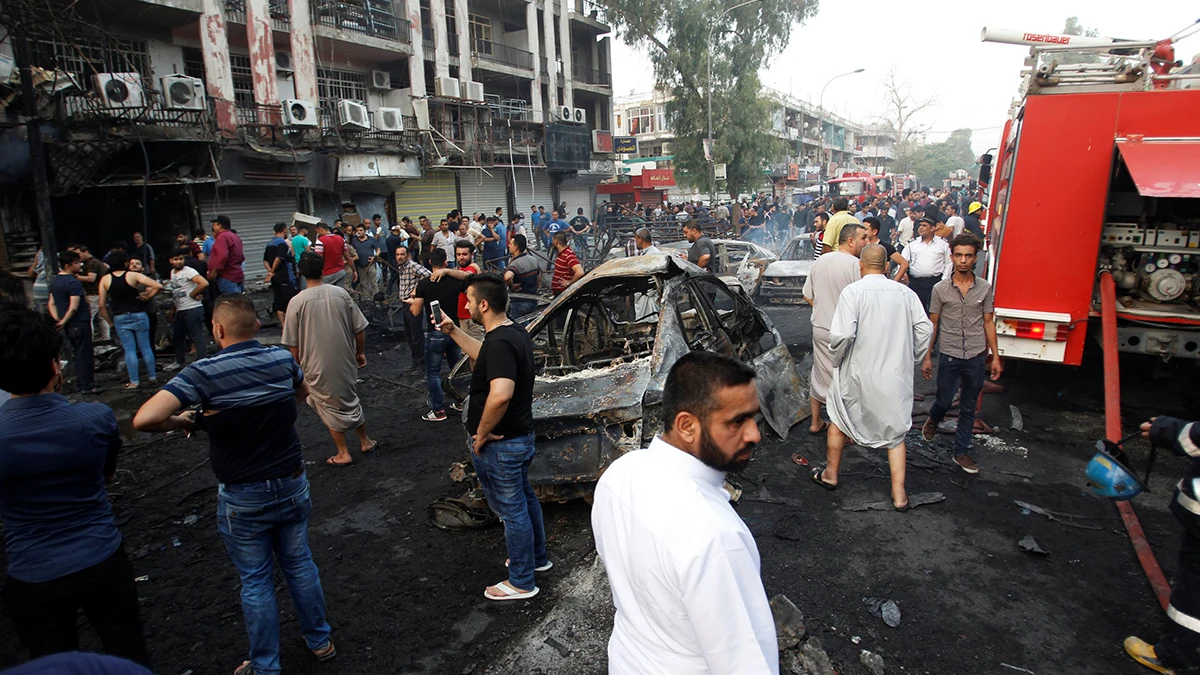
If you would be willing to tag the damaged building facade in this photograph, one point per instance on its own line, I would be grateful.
(161, 114)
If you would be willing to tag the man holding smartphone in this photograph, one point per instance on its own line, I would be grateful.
(444, 290)
(500, 424)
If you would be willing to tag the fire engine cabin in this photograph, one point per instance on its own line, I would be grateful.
(1098, 170)
(858, 186)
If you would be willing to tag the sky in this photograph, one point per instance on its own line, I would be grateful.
(934, 45)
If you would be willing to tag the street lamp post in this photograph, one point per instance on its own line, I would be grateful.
(708, 142)
(821, 124)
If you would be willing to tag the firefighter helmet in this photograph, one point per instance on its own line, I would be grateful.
(1108, 477)
(975, 206)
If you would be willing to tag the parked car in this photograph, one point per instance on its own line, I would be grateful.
(743, 261)
(603, 350)
(784, 279)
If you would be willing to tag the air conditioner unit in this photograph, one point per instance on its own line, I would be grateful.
(298, 113)
(181, 92)
(472, 91)
(579, 116)
(283, 62)
(421, 112)
(120, 90)
(389, 119)
(381, 79)
(446, 87)
(566, 113)
(353, 115)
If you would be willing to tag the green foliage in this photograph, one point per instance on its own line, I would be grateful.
(1073, 27)
(934, 161)
(675, 37)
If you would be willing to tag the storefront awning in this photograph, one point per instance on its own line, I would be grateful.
(1163, 168)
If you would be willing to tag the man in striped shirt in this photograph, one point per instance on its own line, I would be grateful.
(246, 398)
(567, 269)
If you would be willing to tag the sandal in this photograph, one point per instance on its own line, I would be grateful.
(903, 509)
(330, 462)
(799, 459)
(325, 653)
(816, 476)
(509, 593)
(245, 669)
(135, 385)
(824, 426)
(374, 444)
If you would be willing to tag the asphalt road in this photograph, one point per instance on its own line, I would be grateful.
(404, 597)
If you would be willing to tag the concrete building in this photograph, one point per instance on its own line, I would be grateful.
(166, 113)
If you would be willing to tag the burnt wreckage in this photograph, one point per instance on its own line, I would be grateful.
(603, 350)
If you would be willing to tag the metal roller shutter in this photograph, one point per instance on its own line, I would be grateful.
(482, 193)
(577, 196)
(433, 197)
(253, 212)
(535, 189)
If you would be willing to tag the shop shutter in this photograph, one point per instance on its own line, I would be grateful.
(533, 189)
(253, 212)
(432, 197)
(576, 197)
(482, 193)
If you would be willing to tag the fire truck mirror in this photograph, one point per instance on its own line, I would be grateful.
(985, 169)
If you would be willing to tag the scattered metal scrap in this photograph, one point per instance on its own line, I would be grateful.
(1058, 517)
(1030, 545)
(1018, 422)
(919, 499)
(885, 609)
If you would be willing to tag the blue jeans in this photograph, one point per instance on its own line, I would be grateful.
(437, 346)
(133, 329)
(226, 286)
(520, 308)
(503, 471)
(262, 522)
(189, 325)
(951, 373)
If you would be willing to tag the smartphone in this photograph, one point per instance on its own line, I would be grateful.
(435, 308)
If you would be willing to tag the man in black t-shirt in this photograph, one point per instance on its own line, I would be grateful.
(500, 425)
(437, 346)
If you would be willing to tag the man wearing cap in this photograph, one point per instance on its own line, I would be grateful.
(929, 260)
(225, 261)
(971, 221)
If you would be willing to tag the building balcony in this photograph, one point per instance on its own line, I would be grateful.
(79, 112)
(281, 18)
(881, 152)
(373, 18)
(265, 124)
(581, 73)
(485, 50)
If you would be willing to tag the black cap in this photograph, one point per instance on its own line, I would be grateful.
(223, 220)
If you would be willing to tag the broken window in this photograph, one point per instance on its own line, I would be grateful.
(748, 335)
(243, 80)
(84, 57)
(597, 330)
(340, 85)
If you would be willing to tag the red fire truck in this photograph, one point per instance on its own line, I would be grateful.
(1096, 193)
(859, 185)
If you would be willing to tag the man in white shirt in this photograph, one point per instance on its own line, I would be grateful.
(954, 221)
(645, 243)
(929, 261)
(187, 286)
(904, 229)
(683, 567)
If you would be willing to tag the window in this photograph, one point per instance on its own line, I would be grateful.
(336, 85)
(481, 34)
(619, 127)
(193, 63)
(83, 57)
(643, 120)
(243, 81)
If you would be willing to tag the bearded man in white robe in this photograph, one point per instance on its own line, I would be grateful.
(878, 334)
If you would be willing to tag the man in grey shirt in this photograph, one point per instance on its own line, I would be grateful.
(961, 309)
(702, 253)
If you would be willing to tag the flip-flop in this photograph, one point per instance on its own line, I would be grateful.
(799, 459)
(816, 476)
(330, 462)
(374, 444)
(903, 509)
(824, 426)
(509, 592)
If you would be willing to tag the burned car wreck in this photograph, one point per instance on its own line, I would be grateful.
(603, 350)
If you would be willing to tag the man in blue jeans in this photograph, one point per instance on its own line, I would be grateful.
(500, 425)
(445, 291)
(963, 316)
(247, 397)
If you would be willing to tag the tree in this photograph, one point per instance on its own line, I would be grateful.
(902, 106)
(932, 162)
(742, 39)
(1073, 27)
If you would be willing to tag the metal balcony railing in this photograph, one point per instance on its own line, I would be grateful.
(495, 52)
(80, 107)
(265, 123)
(281, 18)
(375, 18)
(581, 73)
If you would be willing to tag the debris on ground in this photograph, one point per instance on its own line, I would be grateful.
(1056, 516)
(190, 519)
(872, 661)
(809, 659)
(855, 639)
(1018, 668)
(1030, 545)
(919, 499)
(885, 609)
(1018, 422)
(789, 622)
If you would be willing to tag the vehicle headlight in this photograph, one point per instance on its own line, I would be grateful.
(772, 281)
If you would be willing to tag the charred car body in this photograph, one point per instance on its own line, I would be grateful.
(784, 279)
(603, 350)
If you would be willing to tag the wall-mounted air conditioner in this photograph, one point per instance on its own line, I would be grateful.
(472, 91)
(389, 119)
(579, 116)
(381, 79)
(566, 113)
(298, 113)
(181, 92)
(120, 90)
(446, 87)
(353, 115)
(283, 63)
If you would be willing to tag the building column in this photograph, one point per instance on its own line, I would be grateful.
(262, 59)
(463, 23)
(534, 47)
(564, 36)
(304, 62)
(416, 62)
(214, 42)
(441, 46)
(551, 60)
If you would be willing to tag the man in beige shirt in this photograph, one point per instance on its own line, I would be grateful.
(829, 275)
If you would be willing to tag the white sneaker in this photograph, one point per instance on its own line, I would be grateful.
(171, 367)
